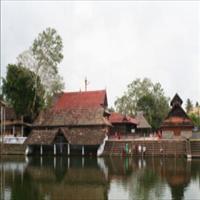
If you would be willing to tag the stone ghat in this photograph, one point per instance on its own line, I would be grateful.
(168, 148)
(13, 149)
(164, 148)
(195, 148)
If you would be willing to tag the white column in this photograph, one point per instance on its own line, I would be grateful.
(13, 130)
(41, 150)
(54, 149)
(83, 151)
(68, 149)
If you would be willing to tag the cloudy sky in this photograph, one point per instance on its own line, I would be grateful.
(112, 43)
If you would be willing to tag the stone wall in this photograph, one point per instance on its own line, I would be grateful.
(14, 149)
(166, 148)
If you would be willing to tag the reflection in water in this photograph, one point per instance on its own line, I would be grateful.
(99, 178)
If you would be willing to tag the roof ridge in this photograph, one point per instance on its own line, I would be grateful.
(74, 92)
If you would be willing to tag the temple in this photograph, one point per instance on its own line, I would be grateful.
(77, 123)
(177, 124)
(122, 125)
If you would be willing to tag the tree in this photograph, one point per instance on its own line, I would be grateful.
(19, 90)
(111, 109)
(43, 58)
(195, 119)
(146, 96)
(189, 106)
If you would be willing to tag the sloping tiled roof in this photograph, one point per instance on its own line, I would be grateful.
(176, 100)
(72, 117)
(119, 118)
(75, 108)
(142, 122)
(41, 137)
(177, 111)
(88, 99)
(76, 136)
(177, 121)
(177, 117)
(85, 136)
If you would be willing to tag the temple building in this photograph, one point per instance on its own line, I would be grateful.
(122, 125)
(177, 123)
(76, 123)
(11, 124)
(143, 126)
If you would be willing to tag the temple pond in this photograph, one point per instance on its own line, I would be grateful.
(50, 178)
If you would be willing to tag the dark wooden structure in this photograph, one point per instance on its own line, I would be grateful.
(11, 125)
(122, 125)
(76, 124)
(177, 123)
(143, 127)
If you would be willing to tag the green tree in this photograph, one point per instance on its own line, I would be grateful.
(195, 119)
(43, 58)
(189, 105)
(146, 96)
(111, 109)
(19, 91)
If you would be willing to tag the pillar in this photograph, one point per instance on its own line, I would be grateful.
(83, 150)
(54, 149)
(68, 149)
(13, 130)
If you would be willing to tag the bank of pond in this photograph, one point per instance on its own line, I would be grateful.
(112, 147)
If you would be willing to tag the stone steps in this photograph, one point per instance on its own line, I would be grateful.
(195, 148)
(153, 148)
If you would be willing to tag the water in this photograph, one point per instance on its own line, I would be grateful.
(92, 178)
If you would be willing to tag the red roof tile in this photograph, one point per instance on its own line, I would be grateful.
(119, 118)
(89, 99)
(177, 121)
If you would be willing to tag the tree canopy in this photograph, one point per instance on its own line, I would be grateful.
(43, 58)
(146, 96)
(195, 119)
(189, 105)
(19, 90)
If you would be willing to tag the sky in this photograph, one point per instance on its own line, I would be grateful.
(112, 43)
